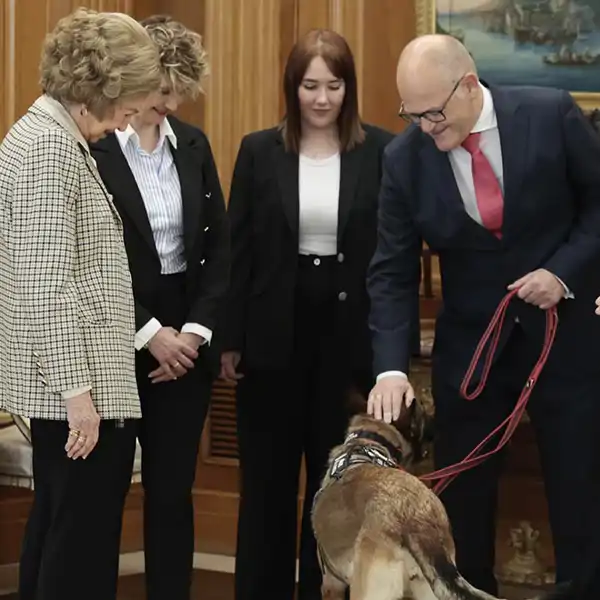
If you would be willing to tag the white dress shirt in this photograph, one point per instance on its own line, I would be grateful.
(319, 194)
(158, 182)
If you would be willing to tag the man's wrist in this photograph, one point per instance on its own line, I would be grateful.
(391, 374)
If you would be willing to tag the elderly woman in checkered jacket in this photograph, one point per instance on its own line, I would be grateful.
(66, 308)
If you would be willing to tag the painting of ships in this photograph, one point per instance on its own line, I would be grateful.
(567, 57)
(528, 42)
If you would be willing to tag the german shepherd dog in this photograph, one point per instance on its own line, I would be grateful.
(381, 531)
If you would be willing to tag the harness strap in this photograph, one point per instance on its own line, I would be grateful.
(360, 454)
(364, 434)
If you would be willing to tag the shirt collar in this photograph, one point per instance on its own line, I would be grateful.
(487, 117)
(62, 116)
(165, 131)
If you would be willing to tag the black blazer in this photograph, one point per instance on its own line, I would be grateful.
(551, 164)
(264, 211)
(206, 230)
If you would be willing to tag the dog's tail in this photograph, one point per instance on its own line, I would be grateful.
(443, 576)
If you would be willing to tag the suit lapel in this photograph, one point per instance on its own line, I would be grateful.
(443, 179)
(120, 178)
(287, 175)
(349, 172)
(190, 178)
(513, 127)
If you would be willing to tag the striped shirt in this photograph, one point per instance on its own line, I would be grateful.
(156, 176)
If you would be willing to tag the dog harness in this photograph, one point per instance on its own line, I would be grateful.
(365, 453)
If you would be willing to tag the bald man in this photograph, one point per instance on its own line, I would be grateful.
(504, 184)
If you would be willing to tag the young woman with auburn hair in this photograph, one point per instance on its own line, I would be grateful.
(302, 214)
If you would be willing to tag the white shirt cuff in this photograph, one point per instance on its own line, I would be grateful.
(391, 374)
(146, 333)
(76, 392)
(204, 332)
(568, 293)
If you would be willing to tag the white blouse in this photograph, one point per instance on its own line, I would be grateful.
(319, 190)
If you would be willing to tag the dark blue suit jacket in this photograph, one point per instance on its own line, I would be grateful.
(551, 162)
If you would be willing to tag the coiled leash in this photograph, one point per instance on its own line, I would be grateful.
(446, 475)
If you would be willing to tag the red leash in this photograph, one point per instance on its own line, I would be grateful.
(474, 458)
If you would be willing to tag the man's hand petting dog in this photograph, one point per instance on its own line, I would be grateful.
(388, 396)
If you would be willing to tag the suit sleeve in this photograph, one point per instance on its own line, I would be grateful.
(393, 276)
(214, 275)
(240, 219)
(142, 316)
(43, 242)
(582, 148)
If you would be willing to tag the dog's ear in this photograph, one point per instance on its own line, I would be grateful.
(415, 426)
(417, 421)
(405, 423)
(428, 428)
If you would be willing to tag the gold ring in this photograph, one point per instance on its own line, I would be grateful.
(74, 432)
(81, 440)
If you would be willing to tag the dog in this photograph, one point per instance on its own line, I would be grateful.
(380, 531)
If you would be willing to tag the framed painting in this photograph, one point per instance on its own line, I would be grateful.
(554, 43)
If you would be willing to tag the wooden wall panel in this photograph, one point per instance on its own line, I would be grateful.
(30, 27)
(383, 41)
(242, 95)
(7, 63)
(56, 9)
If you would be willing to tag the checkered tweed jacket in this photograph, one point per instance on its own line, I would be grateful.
(66, 300)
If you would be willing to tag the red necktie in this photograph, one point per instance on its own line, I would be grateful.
(487, 189)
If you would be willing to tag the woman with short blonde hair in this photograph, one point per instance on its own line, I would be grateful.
(165, 185)
(183, 59)
(66, 308)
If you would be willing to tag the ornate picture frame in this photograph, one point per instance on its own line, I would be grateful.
(541, 42)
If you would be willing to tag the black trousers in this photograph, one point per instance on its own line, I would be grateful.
(173, 415)
(72, 539)
(564, 410)
(281, 416)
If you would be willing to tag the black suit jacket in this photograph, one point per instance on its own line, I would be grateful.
(551, 164)
(264, 211)
(205, 224)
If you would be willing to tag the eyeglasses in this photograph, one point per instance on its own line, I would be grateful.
(433, 115)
